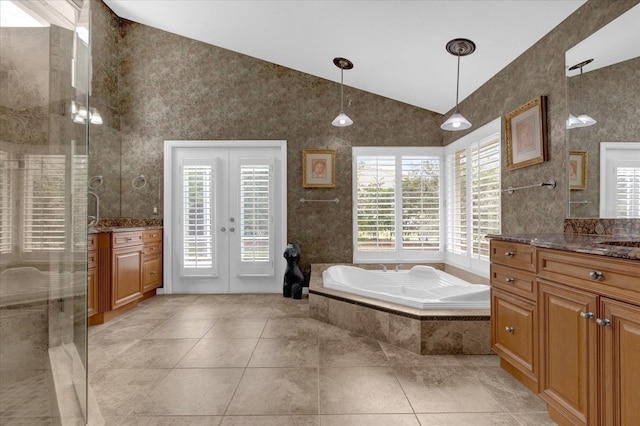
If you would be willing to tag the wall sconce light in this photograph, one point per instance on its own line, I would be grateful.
(342, 120)
(582, 120)
(458, 47)
(79, 114)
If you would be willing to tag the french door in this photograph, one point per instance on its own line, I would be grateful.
(226, 214)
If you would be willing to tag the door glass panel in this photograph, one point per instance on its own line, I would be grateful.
(198, 219)
(255, 245)
(255, 213)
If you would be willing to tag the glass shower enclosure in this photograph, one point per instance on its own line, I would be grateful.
(44, 125)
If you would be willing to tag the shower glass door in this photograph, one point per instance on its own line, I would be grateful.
(44, 56)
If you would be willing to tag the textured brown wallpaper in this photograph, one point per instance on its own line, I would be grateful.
(170, 87)
(539, 71)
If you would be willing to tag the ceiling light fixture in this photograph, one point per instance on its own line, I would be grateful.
(458, 47)
(582, 120)
(342, 120)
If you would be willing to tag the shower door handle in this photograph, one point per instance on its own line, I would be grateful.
(93, 220)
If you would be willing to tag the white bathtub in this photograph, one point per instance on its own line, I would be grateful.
(421, 287)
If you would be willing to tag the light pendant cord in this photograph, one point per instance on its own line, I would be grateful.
(341, 89)
(458, 81)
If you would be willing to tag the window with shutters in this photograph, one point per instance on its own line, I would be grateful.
(619, 179)
(397, 203)
(6, 204)
(473, 197)
(44, 203)
(79, 175)
(198, 220)
(627, 191)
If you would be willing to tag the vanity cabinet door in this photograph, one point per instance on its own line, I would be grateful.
(514, 335)
(126, 275)
(620, 332)
(92, 291)
(568, 352)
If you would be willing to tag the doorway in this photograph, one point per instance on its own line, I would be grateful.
(225, 216)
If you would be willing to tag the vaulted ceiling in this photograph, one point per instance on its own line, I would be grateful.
(397, 47)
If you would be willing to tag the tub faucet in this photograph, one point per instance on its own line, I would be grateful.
(384, 268)
(398, 267)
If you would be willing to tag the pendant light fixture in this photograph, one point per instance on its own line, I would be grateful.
(458, 47)
(582, 120)
(342, 120)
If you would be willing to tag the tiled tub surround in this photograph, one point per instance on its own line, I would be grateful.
(424, 332)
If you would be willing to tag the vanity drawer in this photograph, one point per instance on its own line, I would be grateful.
(126, 239)
(92, 259)
(92, 242)
(612, 277)
(152, 248)
(152, 235)
(515, 255)
(515, 281)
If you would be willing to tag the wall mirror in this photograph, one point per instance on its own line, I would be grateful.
(603, 75)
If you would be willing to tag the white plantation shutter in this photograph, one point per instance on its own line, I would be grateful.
(485, 193)
(397, 203)
(255, 216)
(376, 203)
(256, 243)
(420, 203)
(198, 218)
(473, 197)
(44, 203)
(79, 174)
(6, 204)
(457, 176)
(627, 191)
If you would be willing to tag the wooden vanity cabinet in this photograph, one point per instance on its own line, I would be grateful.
(123, 269)
(589, 309)
(514, 325)
(151, 261)
(126, 268)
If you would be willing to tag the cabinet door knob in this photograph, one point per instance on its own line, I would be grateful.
(509, 329)
(595, 275)
(603, 322)
(586, 315)
(509, 280)
(508, 254)
(223, 229)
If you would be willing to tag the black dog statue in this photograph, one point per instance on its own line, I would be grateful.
(293, 278)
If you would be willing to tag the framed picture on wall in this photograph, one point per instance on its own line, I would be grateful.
(318, 168)
(577, 170)
(526, 134)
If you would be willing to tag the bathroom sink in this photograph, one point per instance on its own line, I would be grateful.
(621, 243)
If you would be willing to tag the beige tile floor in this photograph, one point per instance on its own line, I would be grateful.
(260, 360)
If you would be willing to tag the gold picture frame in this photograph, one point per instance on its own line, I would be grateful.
(526, 134)
(318, 168)
(578, 169)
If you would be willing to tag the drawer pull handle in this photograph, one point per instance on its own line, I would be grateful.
(509, 280)
(508, 254)
(509, 329)
(586, 315)
(152, 273)
(603, 322)
(129, 238)
(595, 275)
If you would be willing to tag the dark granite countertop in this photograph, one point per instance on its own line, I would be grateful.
(624, 247)
(100, 229)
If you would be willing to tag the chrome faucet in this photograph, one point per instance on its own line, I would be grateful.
(398, 267)
(384, 268)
